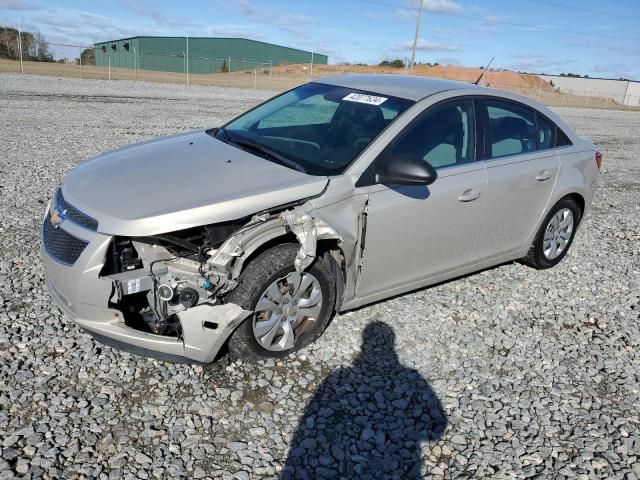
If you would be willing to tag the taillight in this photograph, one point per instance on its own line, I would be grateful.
(598, 159)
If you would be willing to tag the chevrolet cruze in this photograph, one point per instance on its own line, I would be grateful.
(338, 193)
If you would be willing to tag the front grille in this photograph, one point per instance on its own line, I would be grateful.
(73, 214)
(61, 245)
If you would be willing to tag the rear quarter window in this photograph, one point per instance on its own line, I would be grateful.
(561, 138)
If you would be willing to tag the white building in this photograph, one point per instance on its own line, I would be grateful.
(624, 92)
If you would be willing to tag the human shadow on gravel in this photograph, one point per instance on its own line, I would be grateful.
(367, 420)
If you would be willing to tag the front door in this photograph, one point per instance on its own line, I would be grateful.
(412, 232)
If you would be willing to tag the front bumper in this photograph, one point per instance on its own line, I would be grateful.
(83, 296)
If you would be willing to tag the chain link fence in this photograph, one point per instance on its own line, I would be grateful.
(246, 73)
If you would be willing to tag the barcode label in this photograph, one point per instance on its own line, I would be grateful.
(133, 286)
(362, 98)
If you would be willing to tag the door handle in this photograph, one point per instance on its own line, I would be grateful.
(543, 175)
(469, 195)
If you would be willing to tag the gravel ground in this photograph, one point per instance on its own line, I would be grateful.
(523, 373)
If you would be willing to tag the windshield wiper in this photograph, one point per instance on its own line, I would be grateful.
(265, 151)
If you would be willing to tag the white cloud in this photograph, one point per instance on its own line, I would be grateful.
(406, 15)
(19, 5)
(537, 63)
(248, 8)
(424, 46)
(615, 70)
(537, 27)
(77, 27)
(625, 50)
(147, 10)
(443, 6)
(434, 6)
(296, 24)
(231, 30)
(82, 28)
(493, 19)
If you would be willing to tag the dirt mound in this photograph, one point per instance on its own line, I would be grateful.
(492, 78)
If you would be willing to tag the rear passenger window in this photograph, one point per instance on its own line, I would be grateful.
(561, 138)
(512, 127)
(443, 137)
(546, 133)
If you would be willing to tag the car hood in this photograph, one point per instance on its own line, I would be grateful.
(181, 181)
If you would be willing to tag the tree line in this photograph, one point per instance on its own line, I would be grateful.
(34, 45)
(397, 63)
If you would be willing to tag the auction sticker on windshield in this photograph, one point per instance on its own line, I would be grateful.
(362, 98)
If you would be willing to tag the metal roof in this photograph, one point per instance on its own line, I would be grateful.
(244, 39)
(403, 86)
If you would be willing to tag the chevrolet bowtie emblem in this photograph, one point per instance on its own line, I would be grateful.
(55, 218)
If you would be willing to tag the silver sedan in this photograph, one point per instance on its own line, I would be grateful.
(338, 193)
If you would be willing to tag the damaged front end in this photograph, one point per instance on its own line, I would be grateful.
(174, 285)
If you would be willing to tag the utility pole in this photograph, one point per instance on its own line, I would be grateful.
(415, 39)
(187, 60)
(20, 47)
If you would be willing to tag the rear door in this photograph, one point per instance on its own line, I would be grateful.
(522, 166)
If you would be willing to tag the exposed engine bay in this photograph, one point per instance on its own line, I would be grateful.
(156, 279)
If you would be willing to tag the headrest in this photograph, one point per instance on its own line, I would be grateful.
(451, 116)
(511, 127)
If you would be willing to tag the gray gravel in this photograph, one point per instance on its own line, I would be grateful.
(533, 373)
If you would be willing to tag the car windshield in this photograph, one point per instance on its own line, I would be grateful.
(317, 129)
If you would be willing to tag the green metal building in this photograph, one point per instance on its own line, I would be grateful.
(198, 54)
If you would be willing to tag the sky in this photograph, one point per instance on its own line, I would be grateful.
(592, 37)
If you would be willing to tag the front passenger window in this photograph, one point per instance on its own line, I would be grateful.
(443, 137)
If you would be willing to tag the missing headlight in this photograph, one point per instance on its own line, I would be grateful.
(121, 257)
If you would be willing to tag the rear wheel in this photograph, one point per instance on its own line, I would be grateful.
(291, 309)
(555, 235)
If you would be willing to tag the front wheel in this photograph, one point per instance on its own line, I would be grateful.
(291, 309)
(555, 235)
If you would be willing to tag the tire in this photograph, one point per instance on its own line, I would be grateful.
(542, 256)
(275, 266)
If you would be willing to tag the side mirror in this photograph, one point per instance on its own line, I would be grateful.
(406, 170)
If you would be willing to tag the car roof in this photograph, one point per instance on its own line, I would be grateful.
(403, 86)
